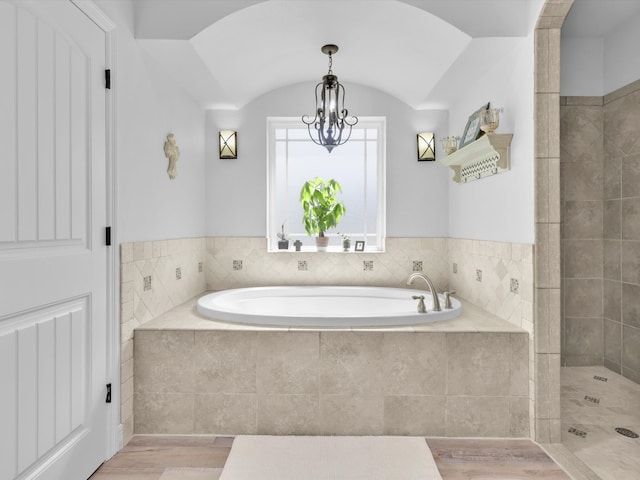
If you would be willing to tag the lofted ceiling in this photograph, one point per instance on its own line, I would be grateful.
(226, 53)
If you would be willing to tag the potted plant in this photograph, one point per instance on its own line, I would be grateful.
(283, 241)
(321, 209)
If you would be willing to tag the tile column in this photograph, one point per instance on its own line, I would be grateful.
(545, 378)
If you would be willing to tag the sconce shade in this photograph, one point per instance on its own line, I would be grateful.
(426, 147)
(228, 144)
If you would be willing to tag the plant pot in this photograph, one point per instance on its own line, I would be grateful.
(346, 245)
(283, 244)
(322, 243)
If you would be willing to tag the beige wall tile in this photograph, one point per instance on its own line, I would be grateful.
(613, 342)
(630, 262)
(225, 414)
(612, 250)
(584, 337)
(542, 189)
(414, 364)
(471, 416)
(164, 361)
(583, 219)
(612, 174)
(555, 337)
(352, 414)
(612, 300)
(542, 125)
(288, 415)
(417, 415)
(519, 416)
(519, 364)
(630, 350)
(288, 362)
(226, 362)
(630, 175)
(583, 297)
(631, 218)
(612, 227)
(163, 413)
(351, 362)
(630, 304)
(542, 60)
(583, 258)
(478, 364)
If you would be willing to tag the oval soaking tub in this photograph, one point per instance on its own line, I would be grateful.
(323, 306)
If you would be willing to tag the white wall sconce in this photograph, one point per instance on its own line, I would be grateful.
(228, 144)
(426, 147)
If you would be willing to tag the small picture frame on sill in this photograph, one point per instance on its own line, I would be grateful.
(472, 130)
(359, 246)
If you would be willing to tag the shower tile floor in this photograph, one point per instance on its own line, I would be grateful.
(595, 401)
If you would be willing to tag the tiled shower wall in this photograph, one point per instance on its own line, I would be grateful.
(600, 140)
(581, 173)
(621, 215)
(155, 276)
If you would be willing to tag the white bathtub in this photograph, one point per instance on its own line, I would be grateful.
(323, 306)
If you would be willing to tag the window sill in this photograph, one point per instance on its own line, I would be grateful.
(330, 249)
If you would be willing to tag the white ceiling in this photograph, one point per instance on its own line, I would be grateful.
(598, 18)
(225, 53)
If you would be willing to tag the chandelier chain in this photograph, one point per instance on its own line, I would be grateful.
(330, 63)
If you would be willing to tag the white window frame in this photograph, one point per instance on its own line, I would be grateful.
(273, 224)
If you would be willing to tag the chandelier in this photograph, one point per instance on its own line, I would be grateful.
(332, 124)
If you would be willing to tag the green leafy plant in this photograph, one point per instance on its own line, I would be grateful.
(321, 208)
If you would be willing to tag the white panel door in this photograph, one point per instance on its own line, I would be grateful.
(53, 326)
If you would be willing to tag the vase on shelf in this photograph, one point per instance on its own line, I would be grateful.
(490, 120)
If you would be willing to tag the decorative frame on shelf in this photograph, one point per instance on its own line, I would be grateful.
(472, 130)
(489, 155)
(359, 246)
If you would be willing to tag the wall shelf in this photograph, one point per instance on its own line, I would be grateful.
(489, 155)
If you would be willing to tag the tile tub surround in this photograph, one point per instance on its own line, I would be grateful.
(235, 262)
(452, 378)
(150, 285)
(231, 262)
(601, 234)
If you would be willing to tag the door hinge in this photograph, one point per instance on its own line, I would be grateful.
(107, 79)
(107, 236)
(108, 400)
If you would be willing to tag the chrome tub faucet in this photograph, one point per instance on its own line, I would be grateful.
(434, 294)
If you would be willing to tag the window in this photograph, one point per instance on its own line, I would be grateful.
(358, 165)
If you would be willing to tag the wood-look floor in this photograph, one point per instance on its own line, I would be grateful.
(202, 458)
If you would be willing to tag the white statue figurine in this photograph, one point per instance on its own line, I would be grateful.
(172, 152)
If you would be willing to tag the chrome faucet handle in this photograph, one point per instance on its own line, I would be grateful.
(421, 307)
(447, 299)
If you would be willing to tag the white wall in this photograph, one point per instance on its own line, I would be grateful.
(598, 66)
(500, 207)
(582, 61)
(621, 62)
(236, 189)
(149, 106)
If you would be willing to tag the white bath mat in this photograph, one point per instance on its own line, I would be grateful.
(329, 458)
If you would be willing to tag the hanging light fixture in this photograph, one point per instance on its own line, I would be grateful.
(332, 123)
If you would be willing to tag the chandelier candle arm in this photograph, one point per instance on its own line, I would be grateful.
(331, 116)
